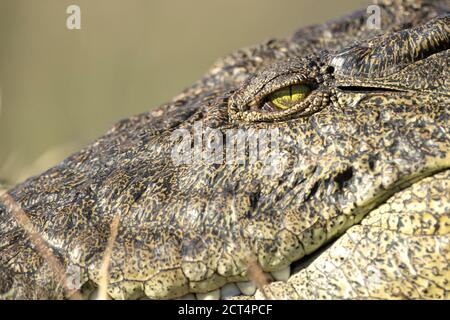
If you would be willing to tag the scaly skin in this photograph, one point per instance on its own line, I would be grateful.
(365, 158)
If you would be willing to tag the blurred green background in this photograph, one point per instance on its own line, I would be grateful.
(60, 88)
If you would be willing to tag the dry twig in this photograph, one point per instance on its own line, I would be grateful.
(39, 244)
(104, 269)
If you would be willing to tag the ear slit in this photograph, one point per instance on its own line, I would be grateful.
(362, 89)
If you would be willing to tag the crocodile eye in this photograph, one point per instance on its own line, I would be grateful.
(288, 97)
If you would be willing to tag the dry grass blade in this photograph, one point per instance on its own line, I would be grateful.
(39, 243)
(258, 276)
(104, 269)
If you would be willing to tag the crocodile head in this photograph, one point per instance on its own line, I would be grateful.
(279, 150)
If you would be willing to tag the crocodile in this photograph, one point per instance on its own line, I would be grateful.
(349, 200)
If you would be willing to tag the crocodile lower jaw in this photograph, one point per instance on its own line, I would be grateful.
(249, 289)
(243, 289)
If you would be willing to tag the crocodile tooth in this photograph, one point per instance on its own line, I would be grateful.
(95, 295)
(189, 296)
(282, 275)
(213, 295)
(259, 295)
(248, 288)
(229, 290)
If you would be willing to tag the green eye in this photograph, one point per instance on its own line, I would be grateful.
(288, 97)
